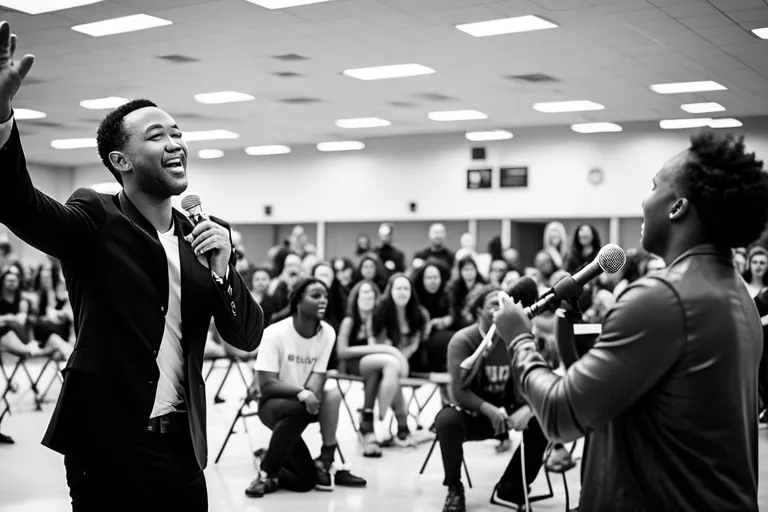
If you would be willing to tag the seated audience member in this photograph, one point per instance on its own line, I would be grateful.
(260, 278)
(370, 267)
(430, 283)
(756, 275)
(487, 404)
(362, 247)
(509, 279)
(392, 258)
(291, 365)
(281, 287)
(497, 270)
(345, 271)
(399, 321)
(555, 243)
(53, 316)
(13, 316)
(379, 364)
(459, 289)
(337, 300)
(436, 248)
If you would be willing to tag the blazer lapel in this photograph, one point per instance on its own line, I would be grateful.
(158, 270)
(196, 281)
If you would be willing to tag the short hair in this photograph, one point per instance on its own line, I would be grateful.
(728, 187)
(295, 296)
(476, 298)
(112, 135)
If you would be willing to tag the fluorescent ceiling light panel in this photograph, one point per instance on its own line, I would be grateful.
(505, 26)
(100, 103)
(209, 135)
(282, 4)
(679, 124)
(596, 127)
(223, 97)
(456, 115)
(41, 6)
(363, 122)
(702, 108)
(121, 25)
(73, 143)
(681, 87)
(725, 122)
(207, 154)
(348, 145)
(567, 106)
(488, 135)
(25, 113)
(762, 33)
(383, 72)
(274, 149)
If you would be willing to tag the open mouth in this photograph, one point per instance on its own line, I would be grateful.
(174, 164)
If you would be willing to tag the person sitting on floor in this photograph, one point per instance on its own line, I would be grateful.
(291, 366)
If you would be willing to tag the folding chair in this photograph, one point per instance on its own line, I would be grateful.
(243, 414)
(338, 377)
(550, 492)
(429, 455)
(8, 385)
(57, 364)
(416, 382)
(234, 362)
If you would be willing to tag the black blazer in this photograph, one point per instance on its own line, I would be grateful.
(117, 276)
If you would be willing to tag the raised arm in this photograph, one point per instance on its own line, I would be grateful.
(36, 218)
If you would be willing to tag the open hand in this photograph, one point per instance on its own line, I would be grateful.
(11, 73)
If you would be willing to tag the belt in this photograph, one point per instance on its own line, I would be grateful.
(170, 422)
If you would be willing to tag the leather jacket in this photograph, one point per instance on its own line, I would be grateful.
(667, 396)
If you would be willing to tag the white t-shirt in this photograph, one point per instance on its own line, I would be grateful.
(170, 358)
(293, 357)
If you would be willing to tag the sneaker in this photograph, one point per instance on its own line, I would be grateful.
(371, 446)
(263, 484)
(4, 439)
(559, 460)
(343, 477)
(404, 438)
(455, 501)
(324, 477)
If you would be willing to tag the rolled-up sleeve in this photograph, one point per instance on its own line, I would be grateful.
(643, 336)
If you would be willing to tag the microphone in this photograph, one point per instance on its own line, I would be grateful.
(610, 259)
(523, 290)
(194, 209)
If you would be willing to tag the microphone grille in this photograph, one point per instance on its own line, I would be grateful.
(611, 258)
(191, 201)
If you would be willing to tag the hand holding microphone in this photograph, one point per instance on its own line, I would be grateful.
(207, 236)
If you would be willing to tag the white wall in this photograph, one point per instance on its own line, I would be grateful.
(379, 182)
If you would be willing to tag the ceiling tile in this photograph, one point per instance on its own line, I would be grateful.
(690, 9)
(737, 5)
(706, 20)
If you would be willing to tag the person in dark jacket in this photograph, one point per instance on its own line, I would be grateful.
(668, 393)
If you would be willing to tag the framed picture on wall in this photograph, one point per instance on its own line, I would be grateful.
(510, 177)
(479, 178)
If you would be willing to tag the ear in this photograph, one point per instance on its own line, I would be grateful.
(679, 209)
(119, 161)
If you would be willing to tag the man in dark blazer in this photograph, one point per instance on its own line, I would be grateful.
(144, 284)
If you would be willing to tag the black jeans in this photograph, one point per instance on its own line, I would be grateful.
(162, 475)
(454, 427)
(287, 456)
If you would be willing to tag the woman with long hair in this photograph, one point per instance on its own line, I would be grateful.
(555, 243)
(401, 322)
(53, 316)
(430, 284)
(380, 365)
(468, 279)
(584, 248)
(755, 275)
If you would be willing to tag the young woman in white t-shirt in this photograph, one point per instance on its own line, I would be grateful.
(291, 366)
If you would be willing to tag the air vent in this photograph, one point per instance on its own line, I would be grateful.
(290, 57)
(300, 100)
(403, 104)
(434, 96)
(287, 74)
(178, 59)
(533, 78)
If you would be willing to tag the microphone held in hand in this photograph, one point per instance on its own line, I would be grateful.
(610, 259)
(194, 209)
